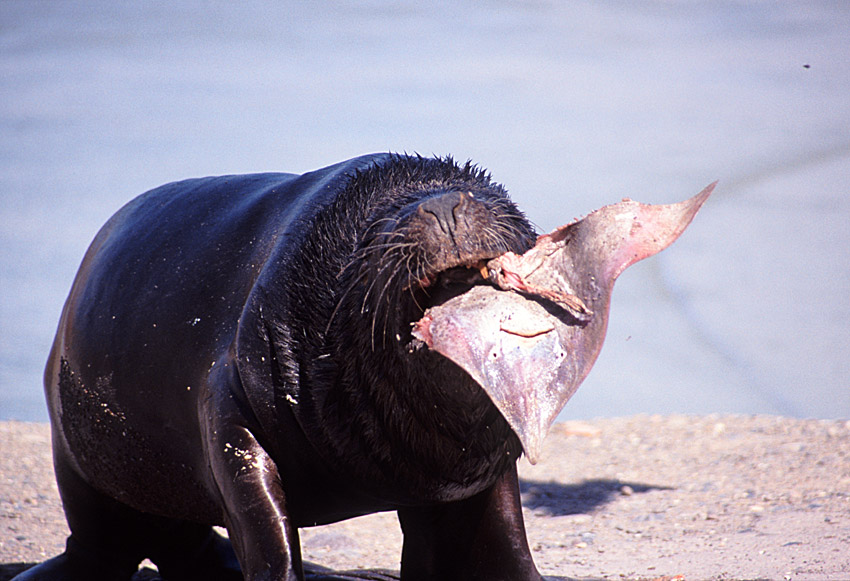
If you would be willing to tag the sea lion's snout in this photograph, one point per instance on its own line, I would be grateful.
(455, 230)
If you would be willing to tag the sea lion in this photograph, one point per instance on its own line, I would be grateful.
(236, 350)
(275, 351)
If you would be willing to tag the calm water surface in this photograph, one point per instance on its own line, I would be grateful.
(570, 106)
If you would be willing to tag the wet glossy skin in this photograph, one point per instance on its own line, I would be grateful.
(237, 351)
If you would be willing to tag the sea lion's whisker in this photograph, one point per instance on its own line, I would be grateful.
(342, 298)
(491, 239)
(410, 275)
(393, 219)
(381, 296)
(508, 225)
(381, 270)
(360, 255)
(371, 228)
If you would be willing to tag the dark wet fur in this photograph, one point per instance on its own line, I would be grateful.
(398, 414)
(401, 251)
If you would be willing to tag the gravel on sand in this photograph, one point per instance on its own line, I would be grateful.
(642, 497)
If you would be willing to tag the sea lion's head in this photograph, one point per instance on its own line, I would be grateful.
(417, 232)
(427, 240)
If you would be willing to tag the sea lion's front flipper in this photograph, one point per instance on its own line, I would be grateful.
(481, 538)
(264, 537)
(531, 349)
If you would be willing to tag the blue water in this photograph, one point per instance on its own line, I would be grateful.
(570, 105)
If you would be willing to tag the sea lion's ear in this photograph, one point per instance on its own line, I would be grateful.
(527, 354)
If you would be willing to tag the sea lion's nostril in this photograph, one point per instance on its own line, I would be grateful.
(443, 208)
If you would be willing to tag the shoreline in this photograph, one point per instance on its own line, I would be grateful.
(640, 497)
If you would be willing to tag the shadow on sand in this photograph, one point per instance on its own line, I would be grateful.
(556, 499)
(544, 498)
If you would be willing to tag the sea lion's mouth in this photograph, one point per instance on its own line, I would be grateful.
(452, 282)
(462, 274)
(465, 273)
(511, 272)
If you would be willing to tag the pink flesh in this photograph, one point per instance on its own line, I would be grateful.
(529, 357)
